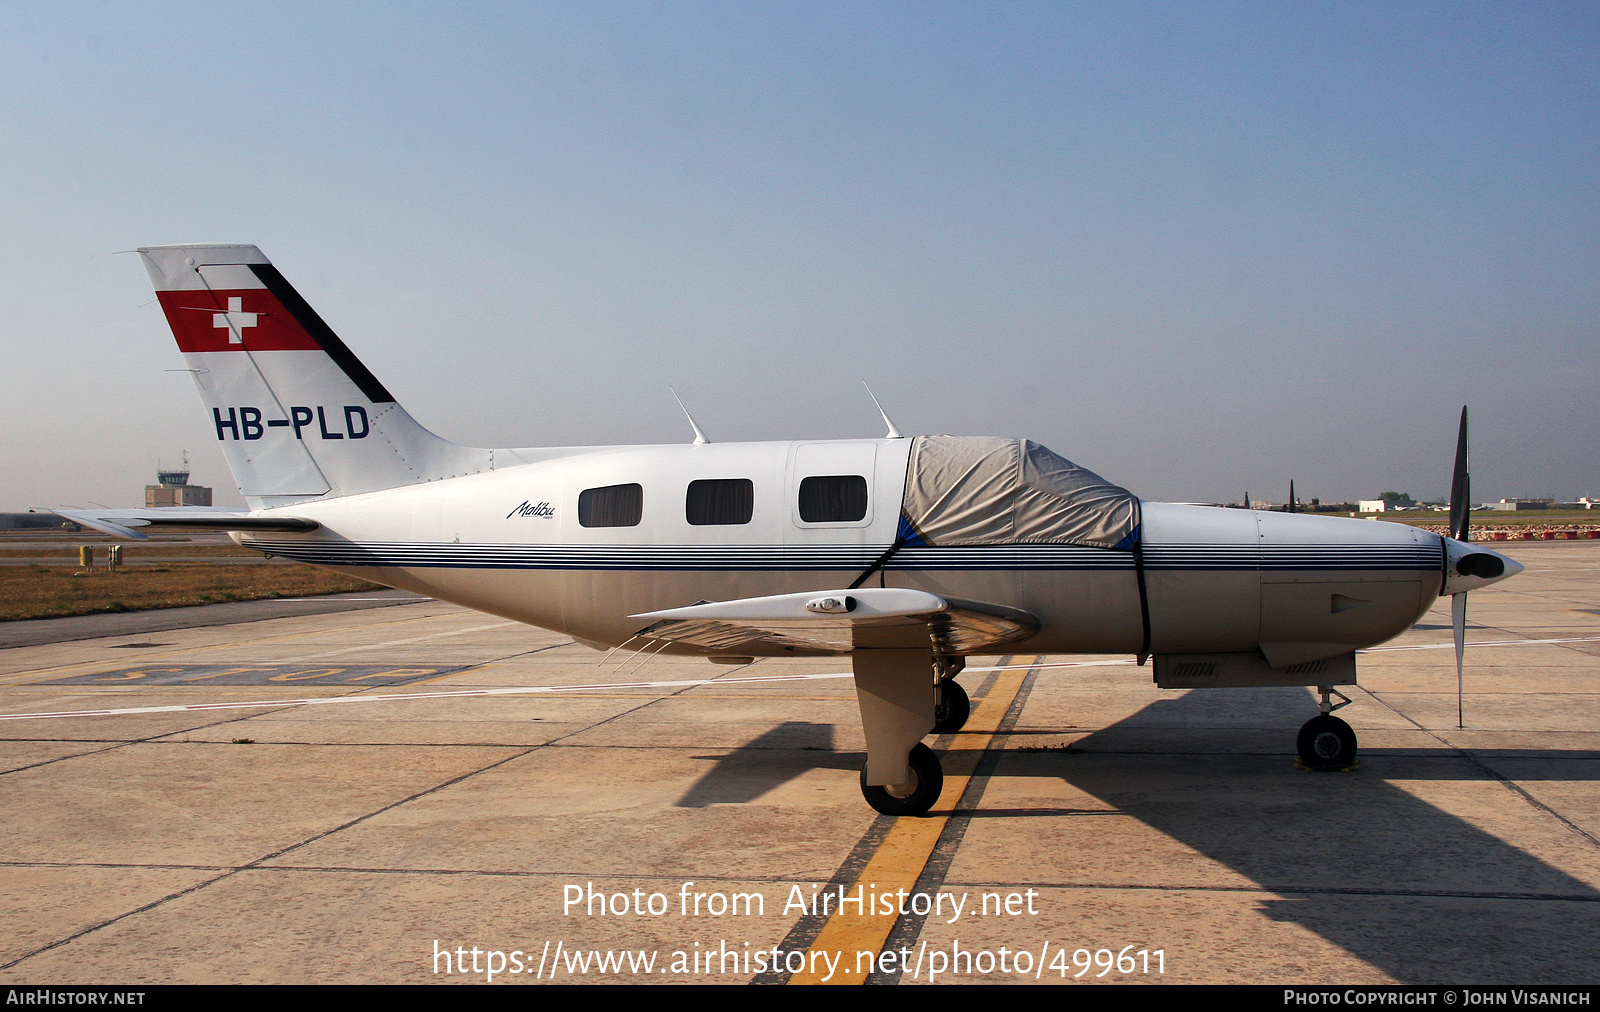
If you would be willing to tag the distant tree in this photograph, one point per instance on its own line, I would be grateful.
(1397, 498)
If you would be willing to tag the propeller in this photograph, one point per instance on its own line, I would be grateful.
(1460, 511)
(1466, 567)
(1460, 487)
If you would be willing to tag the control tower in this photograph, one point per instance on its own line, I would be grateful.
(173, 489)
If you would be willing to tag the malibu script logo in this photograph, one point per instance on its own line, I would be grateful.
(528, 509)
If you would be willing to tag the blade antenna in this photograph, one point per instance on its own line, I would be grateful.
(699, 437)
(894, 432)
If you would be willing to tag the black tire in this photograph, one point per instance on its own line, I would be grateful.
(950, 713)
(929, 778)
(1326, 743)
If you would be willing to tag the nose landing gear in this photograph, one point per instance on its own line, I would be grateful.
(1325, 742)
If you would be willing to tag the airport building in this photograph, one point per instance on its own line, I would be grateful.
(173, 489)
(34, 521)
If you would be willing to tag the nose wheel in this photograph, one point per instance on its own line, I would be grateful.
(1325, 742)
(915, 796)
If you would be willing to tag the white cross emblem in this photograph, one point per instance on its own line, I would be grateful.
(233, 320)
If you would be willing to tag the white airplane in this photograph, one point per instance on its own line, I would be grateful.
(908, 555)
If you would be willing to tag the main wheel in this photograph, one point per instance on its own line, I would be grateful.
(914, 797)
(1326, 743)
(950, 713)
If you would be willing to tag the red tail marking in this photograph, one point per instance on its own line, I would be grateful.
(247, 320)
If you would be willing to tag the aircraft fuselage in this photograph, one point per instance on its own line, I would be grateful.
(512, 542)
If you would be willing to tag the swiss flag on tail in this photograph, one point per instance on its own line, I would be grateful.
(234, 320)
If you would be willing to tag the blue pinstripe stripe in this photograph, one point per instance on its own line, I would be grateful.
(849, 557)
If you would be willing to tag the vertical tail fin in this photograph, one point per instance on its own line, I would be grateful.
(297, 414)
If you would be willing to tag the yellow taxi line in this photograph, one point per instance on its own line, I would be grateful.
(899, 860)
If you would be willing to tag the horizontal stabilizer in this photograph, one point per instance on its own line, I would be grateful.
(837, 621)
(126, 523)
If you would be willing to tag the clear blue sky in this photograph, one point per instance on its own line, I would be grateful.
(1200, 248)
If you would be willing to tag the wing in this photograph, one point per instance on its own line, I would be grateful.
(126, 523)
(837, 621)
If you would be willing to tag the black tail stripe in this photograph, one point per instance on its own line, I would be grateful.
(321, 333)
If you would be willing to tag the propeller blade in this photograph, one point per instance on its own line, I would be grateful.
(1461, 486)
(1458, 622)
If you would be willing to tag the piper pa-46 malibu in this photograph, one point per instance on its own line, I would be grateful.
(908, 555)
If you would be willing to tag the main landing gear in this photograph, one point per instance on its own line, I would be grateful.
(905, 694)
(916, 795)
(951, 707)
(1325, 742)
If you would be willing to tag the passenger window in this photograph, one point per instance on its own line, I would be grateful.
(718, 501)
(833, 499)
(611, 506)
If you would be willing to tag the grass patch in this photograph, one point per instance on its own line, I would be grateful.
(133, 551)
(51, 592)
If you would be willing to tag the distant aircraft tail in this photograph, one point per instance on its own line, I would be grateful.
(297, 414)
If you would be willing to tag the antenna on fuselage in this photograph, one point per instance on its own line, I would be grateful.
(699, 437)
(894, 432)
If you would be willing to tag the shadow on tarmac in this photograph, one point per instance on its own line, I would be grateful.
(766, 762)
(1418, 893)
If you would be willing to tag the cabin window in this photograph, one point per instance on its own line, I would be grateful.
(717, 501)
(611, 506)
(833, 499)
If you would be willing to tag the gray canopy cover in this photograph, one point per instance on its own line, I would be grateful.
(987, 490)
